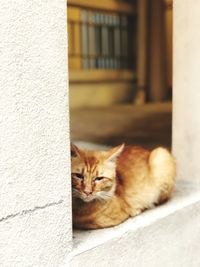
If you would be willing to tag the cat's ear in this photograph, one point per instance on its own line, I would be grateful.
(115, 152)
(75, 151)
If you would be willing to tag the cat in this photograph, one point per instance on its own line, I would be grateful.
(110, 186)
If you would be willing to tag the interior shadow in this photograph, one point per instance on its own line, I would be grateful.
(147, 125)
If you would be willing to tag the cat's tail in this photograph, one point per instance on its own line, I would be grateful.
(163, 172)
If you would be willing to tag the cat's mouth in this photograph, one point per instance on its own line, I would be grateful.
(88, 198)
(84, 197)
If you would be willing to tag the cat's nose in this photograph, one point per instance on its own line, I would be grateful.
(87, 192)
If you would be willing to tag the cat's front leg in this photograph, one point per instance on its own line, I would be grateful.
(135, 212)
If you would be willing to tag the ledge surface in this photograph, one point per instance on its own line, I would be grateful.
(185, 196)
(167, 234)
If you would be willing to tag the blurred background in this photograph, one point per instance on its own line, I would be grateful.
(120, 71)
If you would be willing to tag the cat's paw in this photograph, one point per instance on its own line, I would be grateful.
(135, 212)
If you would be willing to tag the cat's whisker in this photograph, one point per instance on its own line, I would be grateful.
(103, 195)
(119, 183)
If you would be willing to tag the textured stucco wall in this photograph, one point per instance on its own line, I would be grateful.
(186, 93)
(35, 212)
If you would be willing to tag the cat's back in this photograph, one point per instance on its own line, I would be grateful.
(132, 165)
(131, 157)
(145, 176)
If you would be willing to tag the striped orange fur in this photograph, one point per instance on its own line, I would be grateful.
(110, 186)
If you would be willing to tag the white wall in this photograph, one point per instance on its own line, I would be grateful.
(35, 208)
(186, 89)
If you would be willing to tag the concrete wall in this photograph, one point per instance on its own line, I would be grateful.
(186, 93)
(35, 208)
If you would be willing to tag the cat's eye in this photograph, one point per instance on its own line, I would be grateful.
(97, 179)
(78, 175)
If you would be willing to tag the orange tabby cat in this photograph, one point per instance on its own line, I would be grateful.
(111, 186)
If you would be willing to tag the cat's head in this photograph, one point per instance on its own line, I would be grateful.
(94, 173)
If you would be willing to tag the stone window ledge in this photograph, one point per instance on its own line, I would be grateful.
(186, 196)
